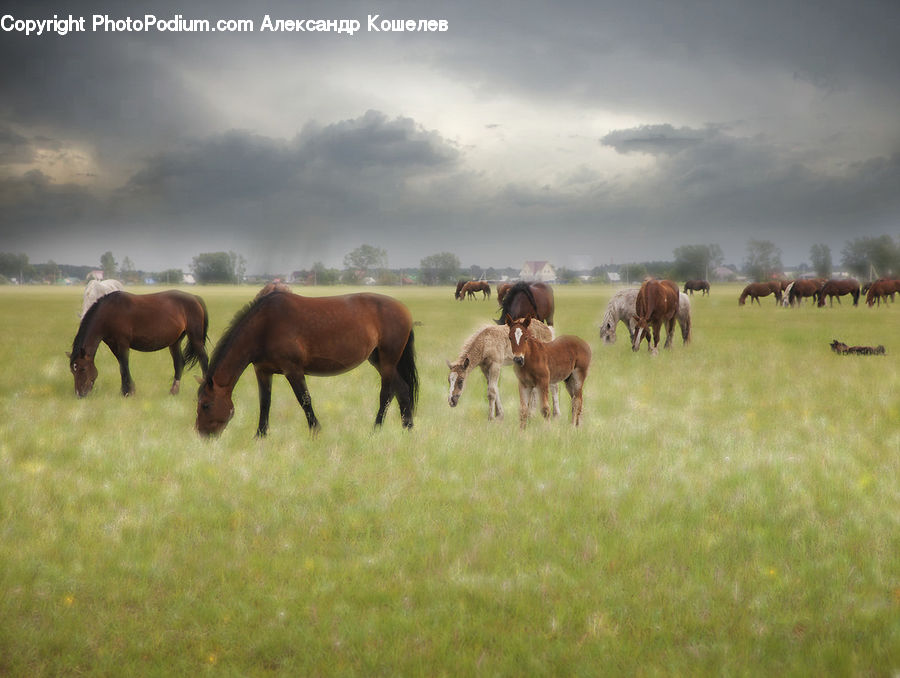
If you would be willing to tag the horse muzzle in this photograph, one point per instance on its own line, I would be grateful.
(453, 400)
(519, 360)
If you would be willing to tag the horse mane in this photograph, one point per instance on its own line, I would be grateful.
(88, 319)
(240, 319)
(520, 287)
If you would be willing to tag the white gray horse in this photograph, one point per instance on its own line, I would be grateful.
(489, 349)
(96, 289)
(621, 308)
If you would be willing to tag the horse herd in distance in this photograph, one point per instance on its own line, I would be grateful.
(792, 292)
(273, 332)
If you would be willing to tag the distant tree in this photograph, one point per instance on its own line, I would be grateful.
(363, 261)
(171, 276)
(696, 261)
(440, 269)
(632, 273)
(238, 266)
(763, 260)
(215, 267)
(128, 272)
(871, 257)
(567, 275)
(13, 265)
(108, 264)
(820, 256)
(325, 276)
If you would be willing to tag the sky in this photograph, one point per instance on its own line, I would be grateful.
(583, 133)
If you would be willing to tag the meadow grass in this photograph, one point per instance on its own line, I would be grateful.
(731, 507)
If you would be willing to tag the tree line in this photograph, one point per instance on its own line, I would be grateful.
(867, 258)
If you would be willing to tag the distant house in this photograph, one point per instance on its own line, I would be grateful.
(614, 277)
(96, 274)
(537, 271)
(189, 279)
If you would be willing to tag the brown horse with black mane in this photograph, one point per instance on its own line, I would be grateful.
(805, 287)
(883, 288)
(144, 322)
(656, 303)
(761, 289)
(838, 288)
(473, 286)
(522, 299)
(696, 286)
(293, 335)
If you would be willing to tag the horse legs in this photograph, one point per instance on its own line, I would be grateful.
(178, 364)
(492, 375)
(670, 330)
(298, 384)
(121, 355)
(525, 395)
(575, 387)
(554, 393)
(264, 382)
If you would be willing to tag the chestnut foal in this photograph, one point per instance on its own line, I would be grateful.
(538, 364)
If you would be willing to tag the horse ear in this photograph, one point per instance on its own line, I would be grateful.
(509, 320)
(466, 363)
(68, 355)
(528, 319)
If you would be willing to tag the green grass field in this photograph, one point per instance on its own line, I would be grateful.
(731, 507)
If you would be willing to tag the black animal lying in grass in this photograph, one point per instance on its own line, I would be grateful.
(843, 349)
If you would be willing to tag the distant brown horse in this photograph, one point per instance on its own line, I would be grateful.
(144, 322)
(296, 336)
(760, 289)
(502, 289)
(535, 299)
(538, 364)
(838, 288)
(805, 288)
(696, 286)
(884, 288)
(473, 286)
(656, 303)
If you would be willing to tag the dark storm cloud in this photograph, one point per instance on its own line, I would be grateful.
(369, 155)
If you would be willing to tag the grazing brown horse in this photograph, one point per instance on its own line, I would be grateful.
(296, 336)
(656, 303)
(761, 289)
(837, 288)
(144, 322)
(805, 288)
(473, 286)
(522, 299)
(538, 364)
(696, 286)
(884, 288)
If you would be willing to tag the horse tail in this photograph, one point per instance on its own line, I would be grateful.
(406, 368)
(192, 355)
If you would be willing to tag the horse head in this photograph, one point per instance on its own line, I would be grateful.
(83, 369)
(519, 335)
(214, 408)
(457, 379)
